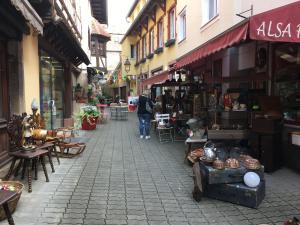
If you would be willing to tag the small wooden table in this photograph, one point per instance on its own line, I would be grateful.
(193, 140)
(30, 159)
(5, 196)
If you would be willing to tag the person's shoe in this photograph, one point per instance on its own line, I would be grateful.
(147, 137)
(141, 136)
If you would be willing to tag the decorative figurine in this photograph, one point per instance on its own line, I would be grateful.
(27, 131)
(36, 118)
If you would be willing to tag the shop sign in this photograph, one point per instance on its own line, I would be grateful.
(280, 24)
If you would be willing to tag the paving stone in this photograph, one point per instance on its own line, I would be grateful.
(121, 179)
(119, 222)
(94, 222)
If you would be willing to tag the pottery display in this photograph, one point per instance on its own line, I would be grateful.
(218, 164)
(252, 164)
(232, 163)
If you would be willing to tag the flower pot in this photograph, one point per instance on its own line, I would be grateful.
(89, 124)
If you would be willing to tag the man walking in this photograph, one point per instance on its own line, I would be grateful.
(145, 108)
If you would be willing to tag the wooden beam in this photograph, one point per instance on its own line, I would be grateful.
(145, 24)
(152, 14)
(162, 5)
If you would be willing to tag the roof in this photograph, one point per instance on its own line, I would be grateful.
(99, 29)
(66, 42)
(132, 7)
(137, 19)
(99, 10)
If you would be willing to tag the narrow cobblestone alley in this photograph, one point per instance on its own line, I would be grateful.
(121, 179)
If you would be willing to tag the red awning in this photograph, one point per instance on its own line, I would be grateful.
(226, 39)
(162, 77)
(280, 24)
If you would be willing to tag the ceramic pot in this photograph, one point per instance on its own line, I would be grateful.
(218, 164)
(232, 163)
(252, 164)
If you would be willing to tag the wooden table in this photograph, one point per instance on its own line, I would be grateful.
(193, 140)
(5, 196)
(29, 160)
(119, 112)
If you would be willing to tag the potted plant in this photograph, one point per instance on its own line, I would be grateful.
(87, 117)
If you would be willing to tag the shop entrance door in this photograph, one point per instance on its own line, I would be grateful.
(52, 94)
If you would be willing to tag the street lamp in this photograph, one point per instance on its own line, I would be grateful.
(127, 65)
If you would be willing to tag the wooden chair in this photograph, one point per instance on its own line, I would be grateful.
(164, 129)
(69, 146)
(15, 130)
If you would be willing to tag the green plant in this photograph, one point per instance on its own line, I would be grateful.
(89, 113)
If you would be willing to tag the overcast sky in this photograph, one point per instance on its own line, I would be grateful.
(117, 11)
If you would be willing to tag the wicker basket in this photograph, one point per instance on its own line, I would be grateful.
(12, 204)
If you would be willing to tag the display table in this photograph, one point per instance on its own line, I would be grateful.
(193, 140)
(5, 196)
(29, 160)
(119, 112)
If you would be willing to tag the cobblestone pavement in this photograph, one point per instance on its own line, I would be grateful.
(121, 179)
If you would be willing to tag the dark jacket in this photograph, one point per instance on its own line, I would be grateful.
(142, 105)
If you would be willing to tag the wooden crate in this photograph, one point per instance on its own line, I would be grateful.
(237, 193)
(214, 176)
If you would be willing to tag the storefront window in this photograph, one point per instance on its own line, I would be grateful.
(287, 80)
(51, 88)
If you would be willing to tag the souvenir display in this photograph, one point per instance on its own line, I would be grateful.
(232, 163)
(218, 164)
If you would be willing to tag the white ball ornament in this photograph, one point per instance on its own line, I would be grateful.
(251, 179)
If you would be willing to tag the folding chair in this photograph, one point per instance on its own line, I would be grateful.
(164, 130)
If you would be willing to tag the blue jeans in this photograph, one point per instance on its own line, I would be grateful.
(144, 120)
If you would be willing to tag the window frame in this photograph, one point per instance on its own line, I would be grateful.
(172, 9)
(132, 51)
(138, 51)
(151, 40)
(206, 9)
(144, 46)
(160, 33)
(182, 26)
